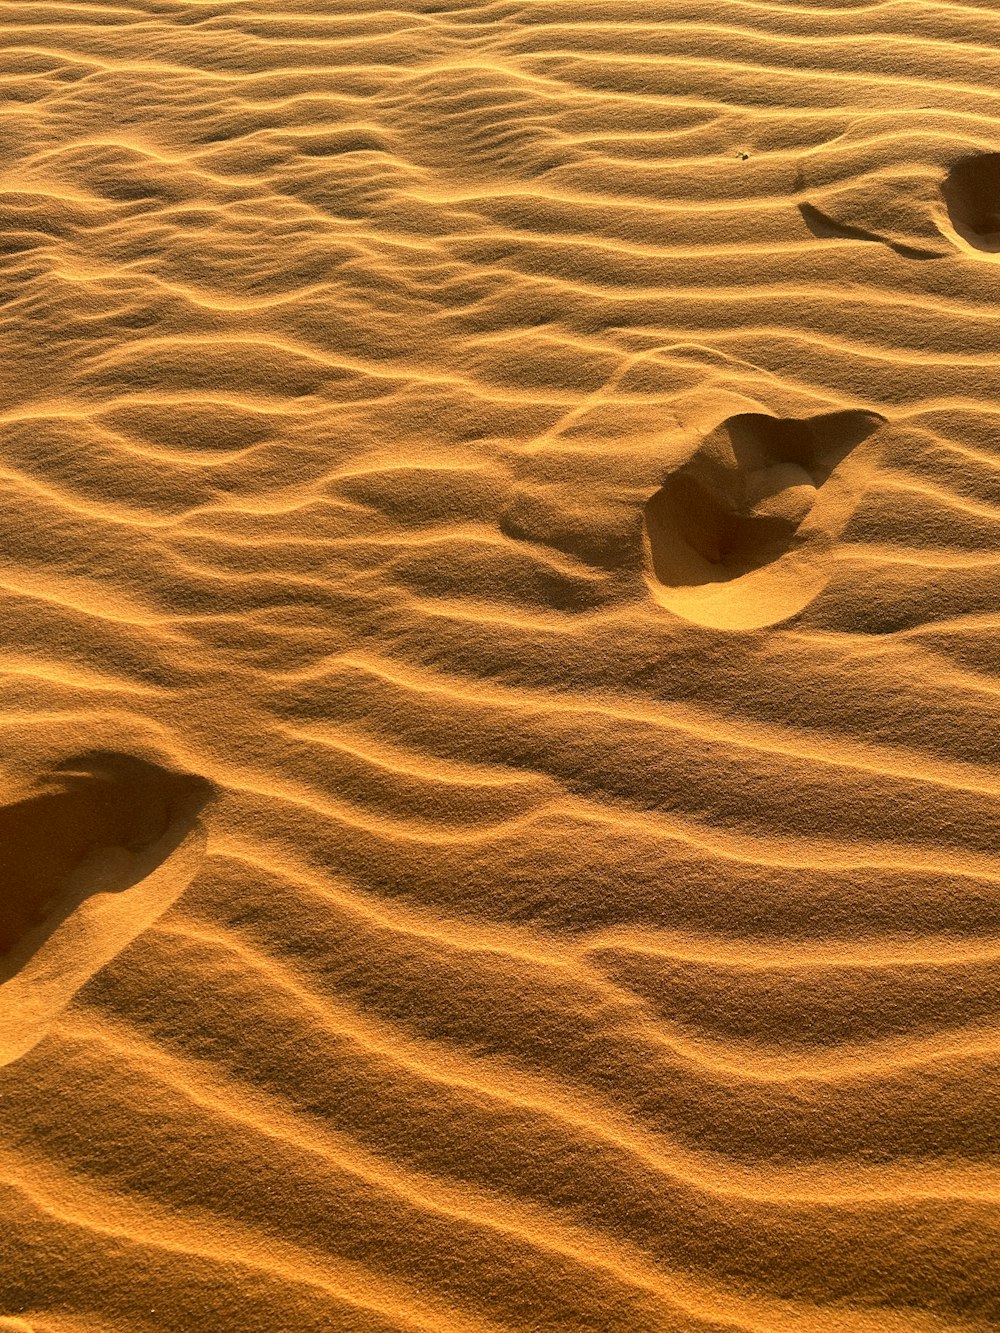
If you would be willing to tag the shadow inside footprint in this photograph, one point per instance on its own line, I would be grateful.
(741, 505)
(971, 192)
(100, 822)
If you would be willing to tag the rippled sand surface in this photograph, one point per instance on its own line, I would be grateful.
(500, 603)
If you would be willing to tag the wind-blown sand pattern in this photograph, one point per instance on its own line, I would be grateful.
(501, 661)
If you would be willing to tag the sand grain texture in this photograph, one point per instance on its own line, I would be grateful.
(499, 565)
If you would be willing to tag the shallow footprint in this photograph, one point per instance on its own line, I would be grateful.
(740, 536)
(827, 228)
(91, 856)
(971, 193)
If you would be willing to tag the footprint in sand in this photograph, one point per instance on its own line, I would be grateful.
(971, 193)
(99, 824)
(741, 535)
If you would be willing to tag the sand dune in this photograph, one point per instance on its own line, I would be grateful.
(500, 544)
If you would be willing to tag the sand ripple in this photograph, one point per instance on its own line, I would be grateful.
(501, 508)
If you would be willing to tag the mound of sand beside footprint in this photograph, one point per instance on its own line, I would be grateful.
(499, 641)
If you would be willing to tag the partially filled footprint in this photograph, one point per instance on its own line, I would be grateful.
(738, 536)
(89, 857)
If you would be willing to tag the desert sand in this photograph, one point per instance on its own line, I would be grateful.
(500, 603)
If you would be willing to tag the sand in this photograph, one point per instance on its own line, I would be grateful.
(499, 788)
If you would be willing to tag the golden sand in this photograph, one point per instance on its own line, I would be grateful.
(501, 660)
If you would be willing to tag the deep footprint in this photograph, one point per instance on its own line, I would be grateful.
(748, 500)
(99, 821)
(971, 192)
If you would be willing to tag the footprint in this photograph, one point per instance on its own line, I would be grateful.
(89, 858)
(741, 535)
(971, 192)
(827, 228)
